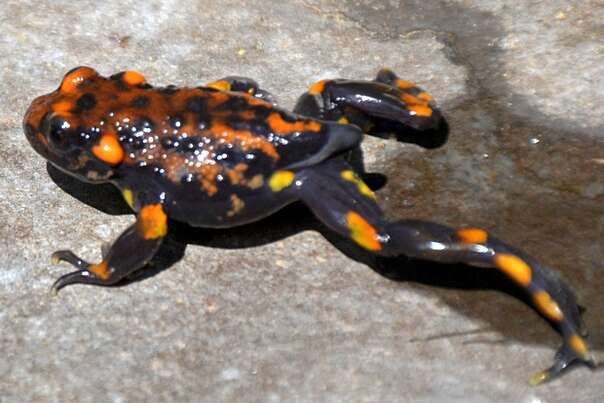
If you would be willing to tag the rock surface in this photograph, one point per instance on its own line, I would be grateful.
(275, 312)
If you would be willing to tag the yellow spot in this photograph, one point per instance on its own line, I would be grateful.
(362, 186)
(152, 222)
(578, 345)
(256, 182)
(424, 96)
(237, 204)
(362, 232)
(220, 85)
(280, 180)
(317, 87)
(404, 84)
(128, 197)
(100, 270)
(72, 80)
(343, 120)
(514, 267)
(472, 235)
(109, 149)
(133, 78)
(547, 306)
(420, 110)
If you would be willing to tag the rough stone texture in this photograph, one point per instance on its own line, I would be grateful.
(275, 312)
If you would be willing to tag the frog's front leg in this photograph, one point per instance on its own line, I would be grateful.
(242, 84)
(133, 249)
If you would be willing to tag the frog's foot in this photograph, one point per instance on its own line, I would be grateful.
(344, 203)
(242, 84)
(385, 107)
(132, 250)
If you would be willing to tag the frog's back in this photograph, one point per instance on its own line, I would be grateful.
(203, 136)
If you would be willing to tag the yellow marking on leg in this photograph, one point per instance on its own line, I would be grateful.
(472, 235)
(362, 232)
(362, 186)
(578, 345)
(547, 306)
(221, 85)
(317, 87)
(152, 222)
(100, 270)
(128, 197)
(514, 267)
(343, 120)
(280, 180)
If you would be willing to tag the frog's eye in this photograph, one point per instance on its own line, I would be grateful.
(56, 130)
(76, 77)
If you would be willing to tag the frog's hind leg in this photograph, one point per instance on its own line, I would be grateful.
(242, 84)
(133, 249)
(386, 107)
(346, 205)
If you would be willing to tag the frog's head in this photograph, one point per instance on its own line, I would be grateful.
(55, 125)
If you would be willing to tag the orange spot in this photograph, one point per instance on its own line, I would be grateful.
(133, 77)
(424, 96)
(217, 98)
(221, 85)
(404, 84)
(152, 222)
(362, 232)
(421, 110)
(207, 178)
(244, 138)
(109, 149)
(547, 306)
(62, 107)
(472, 235)
(279, 126)
(578, 345)
(236, 174)
(514, 267)
(72, 80)
(100, 270)
(317, 87)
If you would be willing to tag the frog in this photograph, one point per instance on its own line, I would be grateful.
(224, 154)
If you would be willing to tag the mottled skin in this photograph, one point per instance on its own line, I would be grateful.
(223, 155)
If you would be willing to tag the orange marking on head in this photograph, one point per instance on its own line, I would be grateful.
(133, 77)
(404, 84)
(279, 126)
(578, 345)
(514, 267)
(109, 149)
(62, 107)
(421, 110)
(547, 306)
(362, 232)
(221, 85)
(74, 79)
(472, 235)
(317, 87)
(152, 222)
(100, 270)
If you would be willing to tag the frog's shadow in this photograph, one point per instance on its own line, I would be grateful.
(298, 218)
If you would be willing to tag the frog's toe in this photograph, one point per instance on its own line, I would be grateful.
(87, 273)
(567, 356)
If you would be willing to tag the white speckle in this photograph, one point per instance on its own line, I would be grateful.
(534, 140)
(230, 374)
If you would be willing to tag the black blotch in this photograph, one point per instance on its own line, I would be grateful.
(85, 102)
(195, 104)
(140, 101)
(169, 90)
(236, 103)
(176, 122)
(145, 86)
